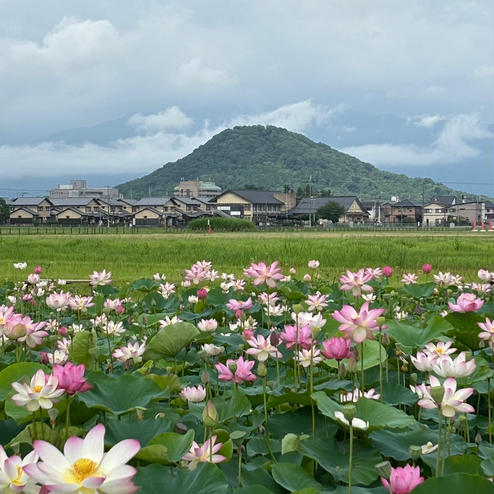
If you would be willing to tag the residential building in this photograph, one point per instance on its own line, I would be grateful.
(436, 214)
(259, 206)
(79, 188)
(405, 211)
(196, 188)
(36, 208)
(354, 210)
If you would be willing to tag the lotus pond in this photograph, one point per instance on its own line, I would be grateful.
(277, 381)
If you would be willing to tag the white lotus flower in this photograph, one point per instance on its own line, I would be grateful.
(84, 467)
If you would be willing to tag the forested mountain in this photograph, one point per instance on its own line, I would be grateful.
(272, 158)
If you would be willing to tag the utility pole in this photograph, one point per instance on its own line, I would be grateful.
(108, 202)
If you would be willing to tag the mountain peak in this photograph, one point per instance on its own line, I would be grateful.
(272, 158)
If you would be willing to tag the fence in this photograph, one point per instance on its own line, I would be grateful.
(120, 230)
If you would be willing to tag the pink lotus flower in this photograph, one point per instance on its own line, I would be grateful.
(207, 325)
(193, 394)
(268, 298)
(487, 333)
(337, 348)
(423, 361)
(485, 275)
(205, 453)
(132, 352)
(41, 392)
(6, 313)
(453, 399)
(302, 337)
(358, 325)
(445, 366)
(84, 467)
(71, 378)
(376, 273)
(409, 279)
(58, 301)
(202, 293)
(387, 271)
(34, 332)
(262, 348)
(356, 282)
(264, 274)
(12, 476)
(81, 304)
(306, 357)
(236, 305)
(317, 301)
(100, 278)
(38, 270)
(33, 278)
(313, 264)
(403, 479)
(439, 349)
(236, 370)
(426, 268)
(466, 302)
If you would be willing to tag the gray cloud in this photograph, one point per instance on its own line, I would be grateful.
(453, 145)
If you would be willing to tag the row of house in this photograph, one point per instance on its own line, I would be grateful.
(259, 206)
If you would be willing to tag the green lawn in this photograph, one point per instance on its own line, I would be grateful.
(134, 256)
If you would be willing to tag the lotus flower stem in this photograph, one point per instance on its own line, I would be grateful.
(362, 382)
(265, 406)
(239, 472)
(350, 460)
(489, 410)
(380, 363)
(439, 443)
(311, 391)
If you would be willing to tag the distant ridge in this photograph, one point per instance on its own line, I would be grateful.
(270, 158)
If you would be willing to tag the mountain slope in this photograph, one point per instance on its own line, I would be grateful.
(271, 157)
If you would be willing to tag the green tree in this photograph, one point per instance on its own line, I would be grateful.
(330, 211)
(4, 211)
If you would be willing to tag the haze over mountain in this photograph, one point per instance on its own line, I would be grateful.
(271, 157)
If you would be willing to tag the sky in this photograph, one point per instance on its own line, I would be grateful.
(113, 90)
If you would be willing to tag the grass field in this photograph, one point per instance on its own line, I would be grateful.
(135, 256)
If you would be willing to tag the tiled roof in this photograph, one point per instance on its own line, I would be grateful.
(257, 196)
(309, 205)
(153, 201)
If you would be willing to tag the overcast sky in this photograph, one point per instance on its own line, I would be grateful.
(176, 72)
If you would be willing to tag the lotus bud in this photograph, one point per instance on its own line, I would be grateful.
(202, 293)
(478, 438)
(307, 278)
(205, 377)
(274, 339)
(62, 331)
(341, 370)
(298, 308)
(18, 331)
(210, 415)
(415, 452)
(53, 414)
(437, 393)
(293, 271)
(383, 469)
(44, 358)
(352, 364)
(262, 369)
(349, 411)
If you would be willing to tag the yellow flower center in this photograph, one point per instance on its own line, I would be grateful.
(81, 470)
(17, 480)
(440, 351)
(37, 389)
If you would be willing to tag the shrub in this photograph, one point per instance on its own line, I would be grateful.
(221, 225)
